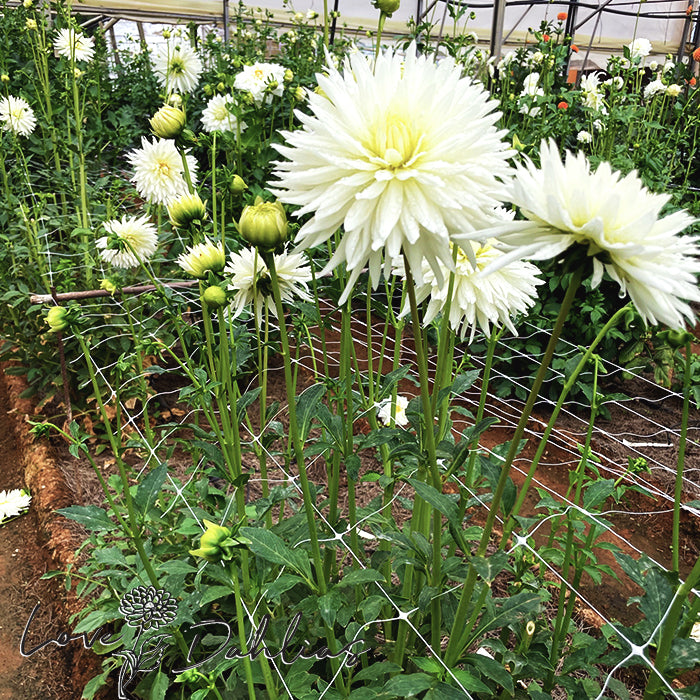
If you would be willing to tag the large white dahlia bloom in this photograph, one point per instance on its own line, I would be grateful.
(402, 155)
(617, 219)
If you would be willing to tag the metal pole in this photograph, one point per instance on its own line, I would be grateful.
(226, 18)
(496, 41)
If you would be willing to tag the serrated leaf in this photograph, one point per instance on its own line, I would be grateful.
(90, 517)
(148, 489)
(272, 548)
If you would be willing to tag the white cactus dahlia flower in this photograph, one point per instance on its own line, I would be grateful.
(402, 154)
(128, 242)
(617, 220)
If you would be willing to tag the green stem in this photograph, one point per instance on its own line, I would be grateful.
(612, 322)
(675, 546)
(455, 646)
(668, 633)
(429, 438)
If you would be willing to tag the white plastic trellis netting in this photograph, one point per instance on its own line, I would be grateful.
(649, 441)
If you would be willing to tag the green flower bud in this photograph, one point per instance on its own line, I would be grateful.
(186, 209)
(387, 7)
(288, 76)
(208, 90)
(108, 286)
(264, 224)
(299, 94)
(5, 78)
(220, 87)
(202, 258)
(238, 185)
(214, 297)
(676, 339)
(168, 122)
(57, 318)
(215, 544)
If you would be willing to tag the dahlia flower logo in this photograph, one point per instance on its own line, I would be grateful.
(147, 609)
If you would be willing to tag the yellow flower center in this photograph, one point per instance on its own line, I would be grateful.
(395, 142)
(259, 74)
(163, 168)
(177, 65)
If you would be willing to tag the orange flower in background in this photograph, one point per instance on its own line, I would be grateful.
(574, 48)
(562, 16)
(689, 11)
(563, 105)
(696, 54)
(692, 82)
(545, 37)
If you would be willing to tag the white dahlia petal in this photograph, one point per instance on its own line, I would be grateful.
(402, 155)
(217, 117)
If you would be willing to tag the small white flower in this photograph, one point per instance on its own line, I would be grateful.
(616, 220)
(17, 116)
(248, 274)
(73, 45)
(129, 242)
(530, 85)
(536, 58)
(673, 90)
(653, 65)
(590, 82)
(217, 117)
(256, 80)
(595, 100)
(12, 503)
(529, 111)
(695, 632)
(668, 67)
(655, 87)
(177, 66)
(384, 411)
(158, 170)
(598, 125)
(584, 137)
(639, 48)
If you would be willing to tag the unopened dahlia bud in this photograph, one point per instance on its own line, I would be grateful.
(238, 185)
(186, 209)
(57, 318)
(288, 76)
(216, 543)
(168, 122)
(214, 297)
(202, 258)
(387, 7)
(5, 78)
(264, 224)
